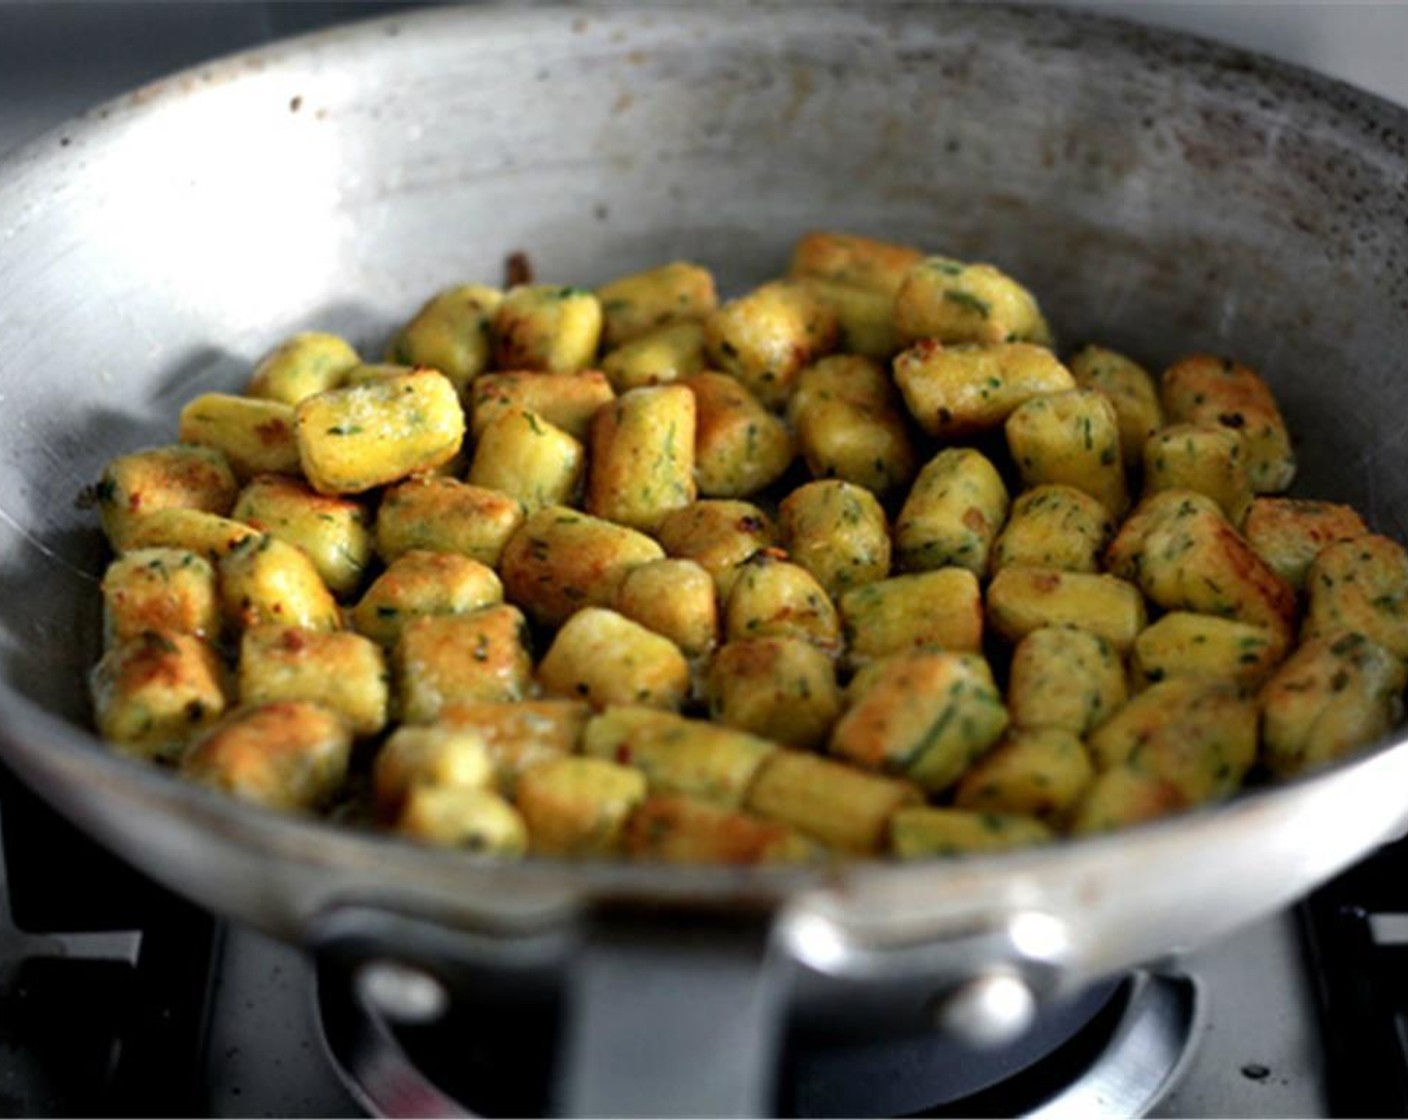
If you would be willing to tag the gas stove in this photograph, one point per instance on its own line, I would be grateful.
(117, 998)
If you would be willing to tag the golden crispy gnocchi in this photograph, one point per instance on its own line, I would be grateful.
(603, 657)
(547, 327)
(775, 598)
(1054, 527)
(1070, 439)
(450, 333)
(766, 337)
(855, 626)
(1132, 392)
(838, 532)
(1065, 678)
(1185, 555)
(167, 589)
(1360, 585)
(474, 820)
(674, 598)
(518, 734)
(1181, 644)
(1205, 459)
(289, 756)
(1036, 772)
(836, 805)
(566, 400)
(194, 530)
(739, 446)
(560, 560)
(308, 363)
(850, 423)
(1335, 694)
(1123, 797)
(1021, 600)
(440, 757)
(657, 357)
(1288, 533)
(355, 439)
(441, 659)
(942, 609)
(152, 693)
(642, 456)
(718, 535)
(865, 320)
(858, 277)
(925, 715)
(922, 833)
(672, 829)
(954, 391)
(689, 757)
(444, 515)
(860, 262)
(950, 301)
(952, 514)
(783, 689)
(264, 580)
(179, 477)
(255, 436)
(1202, 389)
(341, 671)
(419, 583)
(520, 454)
(332, 531)
(634, 305)
(1198, 735)
(576, 807)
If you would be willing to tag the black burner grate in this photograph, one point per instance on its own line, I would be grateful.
(1356, 940)
(106, 1034)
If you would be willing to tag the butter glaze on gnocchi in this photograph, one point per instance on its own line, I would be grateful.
(850, 564)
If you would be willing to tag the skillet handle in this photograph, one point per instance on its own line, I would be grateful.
(672, 1019)
(656, 1016)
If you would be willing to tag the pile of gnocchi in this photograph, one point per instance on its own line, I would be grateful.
(853, 564)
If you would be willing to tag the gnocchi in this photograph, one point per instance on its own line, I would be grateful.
(838, 566)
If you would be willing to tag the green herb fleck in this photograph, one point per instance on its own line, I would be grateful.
(968, 301)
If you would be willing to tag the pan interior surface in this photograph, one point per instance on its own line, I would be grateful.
(1160, 196)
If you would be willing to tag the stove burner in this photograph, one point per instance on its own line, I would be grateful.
(1112, 1051)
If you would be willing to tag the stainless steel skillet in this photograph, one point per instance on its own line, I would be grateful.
(1161, 194)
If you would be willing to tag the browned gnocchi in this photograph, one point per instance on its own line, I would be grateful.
(838, 566)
